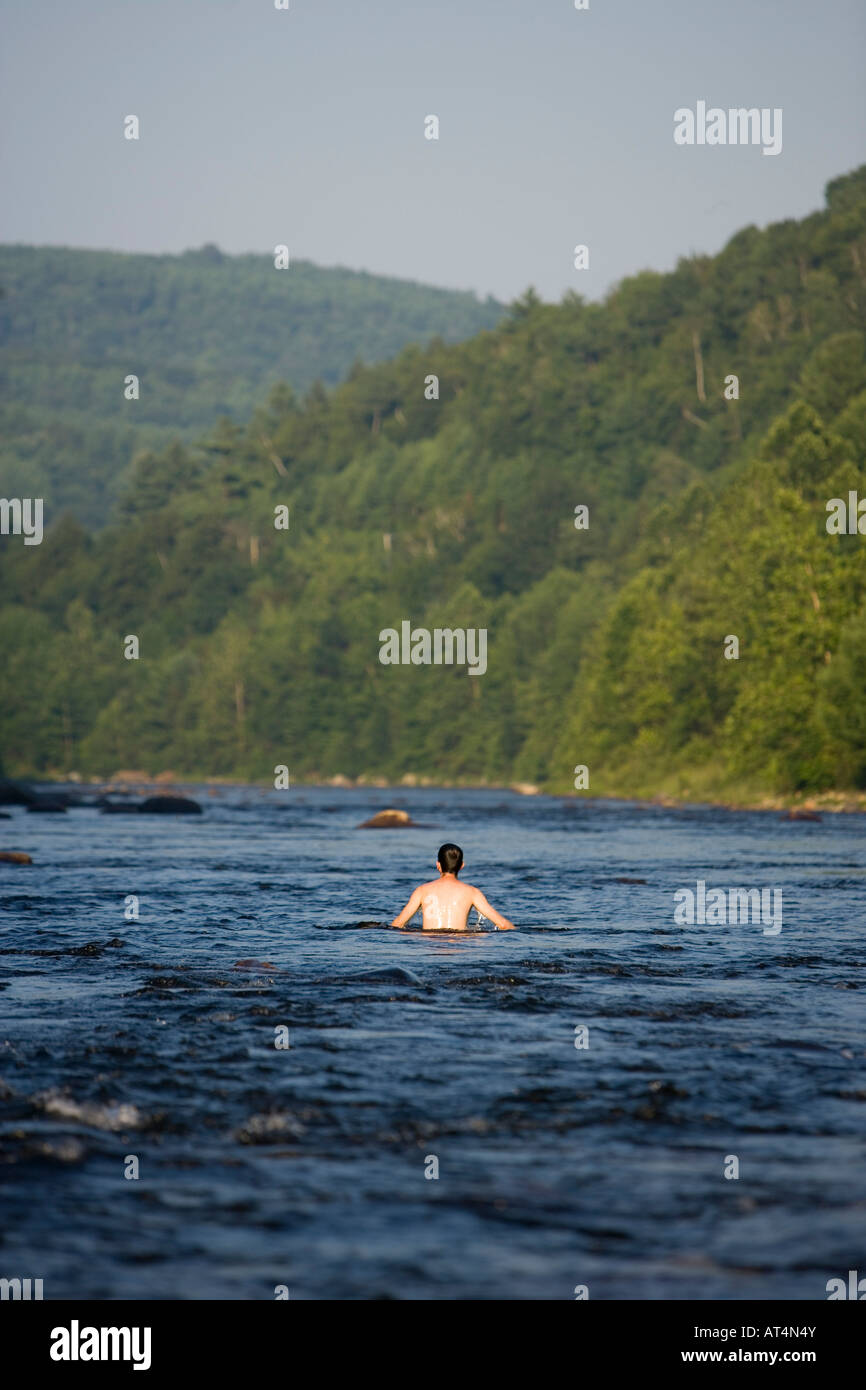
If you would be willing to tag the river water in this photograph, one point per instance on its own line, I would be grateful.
(559, 1166)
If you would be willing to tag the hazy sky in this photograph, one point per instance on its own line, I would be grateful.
(306, 127)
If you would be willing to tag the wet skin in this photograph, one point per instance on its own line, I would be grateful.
(445, 903)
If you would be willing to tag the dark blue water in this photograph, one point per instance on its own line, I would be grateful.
(306, 1167)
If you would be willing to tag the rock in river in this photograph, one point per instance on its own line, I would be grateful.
(387, 820)
(13, 794)
(170, 806)
(388, 975)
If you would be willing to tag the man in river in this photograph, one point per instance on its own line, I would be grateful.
(445, 902)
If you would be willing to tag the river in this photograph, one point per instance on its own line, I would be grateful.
(581, 1086)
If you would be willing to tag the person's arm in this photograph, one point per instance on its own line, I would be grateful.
(480, 902)
(409, 910)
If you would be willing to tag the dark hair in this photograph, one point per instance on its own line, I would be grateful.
(450, 859)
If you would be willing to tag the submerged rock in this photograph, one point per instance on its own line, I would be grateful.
(170, 806)
(388, 975)
(152, 805)
(52, 804)
(14, 856)
(387, 820)
(800, 814)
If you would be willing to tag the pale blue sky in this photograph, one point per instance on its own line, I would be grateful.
(306, 127)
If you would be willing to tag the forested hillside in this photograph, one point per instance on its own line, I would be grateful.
(205, 333)
(707, 519)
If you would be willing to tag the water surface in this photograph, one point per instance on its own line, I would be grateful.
(558, 1166)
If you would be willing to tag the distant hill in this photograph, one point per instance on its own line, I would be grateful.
(703, 417)
(206, 333)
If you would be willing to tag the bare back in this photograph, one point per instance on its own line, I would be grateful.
(445, 904)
